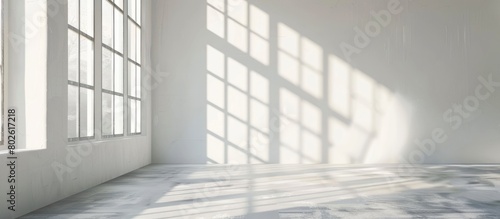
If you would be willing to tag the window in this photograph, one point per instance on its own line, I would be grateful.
(112, 68)
(80, 69)
(134, 66)
(120, 76)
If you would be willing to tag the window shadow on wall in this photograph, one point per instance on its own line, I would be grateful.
(276, 95)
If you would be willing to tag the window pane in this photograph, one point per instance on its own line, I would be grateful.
(118, 31)
(72, 56)
(138, 117)
(107, 114)
(131, 79)
(138, 12)
(118, 73)
(132, 113)
(107, 23)
(87, 16)
(107, 69)
(131, 40)
(131, 8)
(138, 45)
(138, 82)
(118, 115)
(72, 111)
(119, 3)
(86, 112)
(73, 13)
(86, 61)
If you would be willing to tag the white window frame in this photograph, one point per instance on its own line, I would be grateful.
(98, 64)
(114, 51)
(135, 20)
(78, 84)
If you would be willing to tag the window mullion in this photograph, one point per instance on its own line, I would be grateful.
(78, 67)
(126, 122)
(113, 110)
(133, 29)
(98, 69)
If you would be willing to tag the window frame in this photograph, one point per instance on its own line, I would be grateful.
(78, 84)
(135, 98)
(97, 87)
(138, 64)
(114, 52)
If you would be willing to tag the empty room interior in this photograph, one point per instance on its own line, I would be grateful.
(250, 109)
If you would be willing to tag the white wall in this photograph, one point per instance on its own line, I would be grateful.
(48, 175)
(272, 84)
(35, 74)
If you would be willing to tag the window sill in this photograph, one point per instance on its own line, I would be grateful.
(104, 140)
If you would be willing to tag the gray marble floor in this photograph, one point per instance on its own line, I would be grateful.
(289, 191)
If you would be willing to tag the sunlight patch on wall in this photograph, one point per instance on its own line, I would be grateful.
(311, 54)
(259, 36)
(311, 82)
(237, 98)
(238, 11)
(237, 74)
(289, 141)
(259, 115)
(259, 22)
(247, 27)
(288, 68)
(237, 35)
(339, 123)
(363, 104)
(216, 62)
(289, 104)
(214, 147)
(339, 89)
(379, 120)
(237, 102)
(237, 135)
(288, 40)
(311, 117)
(259, 49)
(217, 4)
(215, 21)
(300, 129)
(259, 146)
(215, 91)
(337, 136)
(216, 121)
(259, 87)
(393, 130)
(300, 61)
(311, 148)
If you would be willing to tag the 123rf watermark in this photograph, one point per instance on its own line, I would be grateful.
(11, 158)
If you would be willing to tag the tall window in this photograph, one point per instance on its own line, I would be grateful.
(80, 69)
(134, 66)
(120, 77)
(112, 68)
